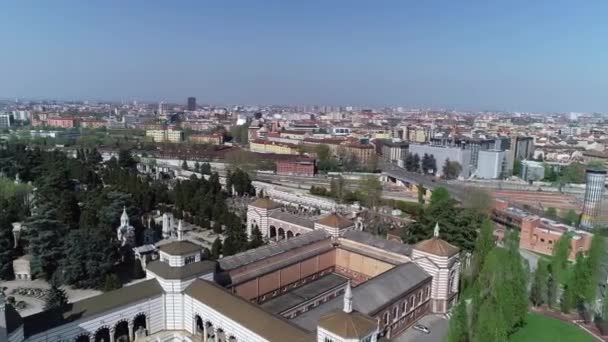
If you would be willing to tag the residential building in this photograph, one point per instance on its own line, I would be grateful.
(213, 139)
(443, 153)
(394, 151)
(62, 122)
(532, 171)
(304, 168)
(491, 165)
(265, 146)
(6, 120)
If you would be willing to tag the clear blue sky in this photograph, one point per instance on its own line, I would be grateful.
(465, 54)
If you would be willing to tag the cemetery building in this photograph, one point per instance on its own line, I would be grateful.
(316, 280)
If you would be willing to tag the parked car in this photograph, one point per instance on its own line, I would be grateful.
(422, 328)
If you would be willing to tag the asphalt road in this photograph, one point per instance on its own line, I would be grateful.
(436, 323)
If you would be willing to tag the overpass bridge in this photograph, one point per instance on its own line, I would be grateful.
(402, 177)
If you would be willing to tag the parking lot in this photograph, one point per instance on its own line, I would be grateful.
(436, 323)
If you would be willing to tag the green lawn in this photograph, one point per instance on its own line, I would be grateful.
(540, 328)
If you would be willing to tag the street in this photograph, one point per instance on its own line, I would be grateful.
(436, 323)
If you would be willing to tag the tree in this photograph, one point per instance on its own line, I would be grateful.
(372, 188)
(595, 257)
(216, 249)
(185, 165)
(440, 194)
(138, 271)
(256, 238)
(517, 167)
(197, 166)
(421, 193)
(7, 253)
(459, 328)
(111, 282)
(572, 217)
(217, 227)
(483, 244)
(551, 212)
(125, 159)
(539, 288)
(451, 169)
(205, 169)
(337, 188)
(491, 325)
(45, 235)
(55, 299)
(559, 262)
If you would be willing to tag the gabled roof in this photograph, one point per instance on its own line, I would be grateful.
(180, 248)
(353, 325)
(249, 316)
(437, 246)
(335, 221)
(265, 203)
(374, 241)
(89, 307)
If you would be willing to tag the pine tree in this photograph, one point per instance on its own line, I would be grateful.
(111, 282)
(459, 328)
(7, 253)
(184, 165)
(216, 249)
(256, 238)
(45, 235)
(56, 299)
(483, 244)
(538, 291)
(138, 271)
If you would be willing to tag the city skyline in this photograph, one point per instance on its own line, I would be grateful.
(541, 57)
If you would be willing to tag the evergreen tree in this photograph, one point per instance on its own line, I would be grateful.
(217, 227)
(551, 288)
(416, 163)
(206, 169)
(483, 244)
(125, 159)
(559, 262)
(138, 271)
(197, 167)
(459, 328)
(230, 246)
(45, 235)
(492, 325)
(256, 238)
(216, 249)
(185, 165)
(111, 282)
(7, 253)
(55, 299)
(539, 288)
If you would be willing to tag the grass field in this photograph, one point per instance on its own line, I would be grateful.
(540, 328)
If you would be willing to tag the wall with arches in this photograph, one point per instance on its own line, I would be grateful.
(152, 308)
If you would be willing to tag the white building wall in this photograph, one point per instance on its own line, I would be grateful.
(489, 164)
(152, 308)
(193, 307)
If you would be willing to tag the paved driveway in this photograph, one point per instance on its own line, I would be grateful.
(439, 330)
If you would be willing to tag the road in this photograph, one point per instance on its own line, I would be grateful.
(436, 323)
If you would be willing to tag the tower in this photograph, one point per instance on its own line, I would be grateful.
(126, 232)
(594, 191)
(348, 298)
(192, 104)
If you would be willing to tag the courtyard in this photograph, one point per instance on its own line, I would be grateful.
(541, 328)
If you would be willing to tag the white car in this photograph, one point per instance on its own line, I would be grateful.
(422, 328)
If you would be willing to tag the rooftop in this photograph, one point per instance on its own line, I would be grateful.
(266, 251)
(265, 203)
(335, 221)
(180, 248)
(92, 306)
(371, 296)
(250, 316)
(437, 246)
(353, 325)
(297, 296)
(374, 241)
(291, 218)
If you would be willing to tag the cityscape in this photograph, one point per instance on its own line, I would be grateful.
(180, 213)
